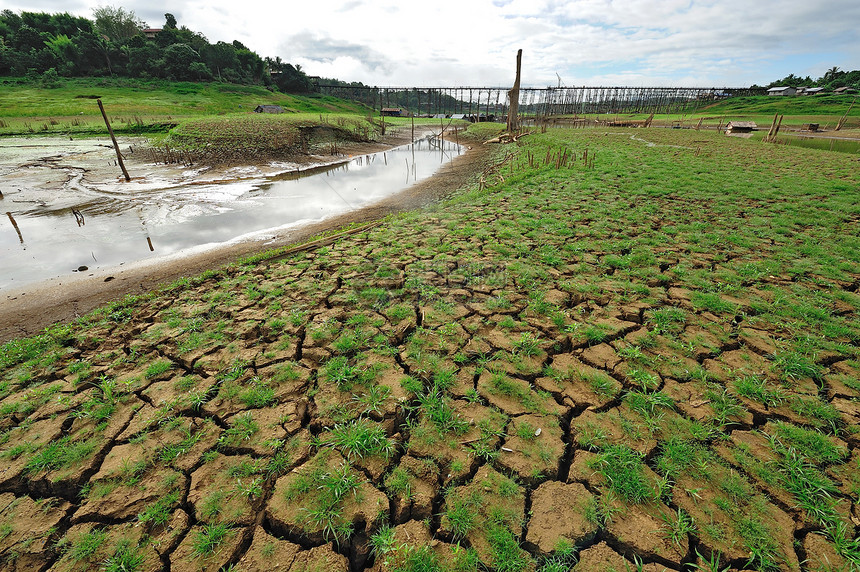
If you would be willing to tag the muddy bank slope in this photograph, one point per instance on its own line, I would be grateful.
(27, 310)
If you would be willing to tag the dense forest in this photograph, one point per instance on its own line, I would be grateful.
(833, 78)
(115, 42)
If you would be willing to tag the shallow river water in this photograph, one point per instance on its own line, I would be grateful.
(108, 225)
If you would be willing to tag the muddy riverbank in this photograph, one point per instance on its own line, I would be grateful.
(47, 165)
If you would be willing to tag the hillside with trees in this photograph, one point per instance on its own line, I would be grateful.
(833, 78)
(117, 43)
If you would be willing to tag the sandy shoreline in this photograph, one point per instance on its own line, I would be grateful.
(26, 310)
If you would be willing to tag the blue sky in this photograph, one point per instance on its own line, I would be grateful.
(694, 43)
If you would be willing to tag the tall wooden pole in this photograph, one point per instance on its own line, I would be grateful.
(845, 117)
(112, 138)
(15, 226)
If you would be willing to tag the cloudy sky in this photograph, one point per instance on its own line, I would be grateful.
(690, 43)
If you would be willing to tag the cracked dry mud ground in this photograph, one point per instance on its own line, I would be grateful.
(564, 369)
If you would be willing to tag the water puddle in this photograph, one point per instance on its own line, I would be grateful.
(109, 224)
(820, 142)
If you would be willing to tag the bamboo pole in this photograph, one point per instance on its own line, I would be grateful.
(774, 128)
(15, 226)
(844, 118)
(470, 104)
(770, 133)
(112, 138)
(778, 125)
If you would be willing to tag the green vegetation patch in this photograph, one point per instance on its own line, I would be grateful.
(691, 332)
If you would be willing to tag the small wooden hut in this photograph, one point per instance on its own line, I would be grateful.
(741, 127)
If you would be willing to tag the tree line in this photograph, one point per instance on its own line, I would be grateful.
(49, 46)
(833, 78)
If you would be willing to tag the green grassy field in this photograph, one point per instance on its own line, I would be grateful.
(826, 110)
(148, 105)
(234, 138)
(138, 106)
(827, 105)
(618, 349)
(194, 122)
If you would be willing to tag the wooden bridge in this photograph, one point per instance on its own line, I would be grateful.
(483, 102)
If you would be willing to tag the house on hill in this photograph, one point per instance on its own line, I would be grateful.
(782, 90)
(841, 90)
(392, 112)
(813, 91)
(269, 109)
(150, 32)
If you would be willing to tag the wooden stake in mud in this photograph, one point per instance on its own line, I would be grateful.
(112, 138)
(649, 120)
(15, 226)
(514, 96)
(774, 129)
(845, 117)
(770, 133)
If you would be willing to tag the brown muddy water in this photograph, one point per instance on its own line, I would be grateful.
(56, 220)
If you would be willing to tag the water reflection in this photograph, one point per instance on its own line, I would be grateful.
(118, 224)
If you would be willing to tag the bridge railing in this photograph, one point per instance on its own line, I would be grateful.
(486, 102)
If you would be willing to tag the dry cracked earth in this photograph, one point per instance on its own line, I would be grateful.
(491, 384)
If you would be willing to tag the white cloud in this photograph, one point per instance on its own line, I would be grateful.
(459, 42)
